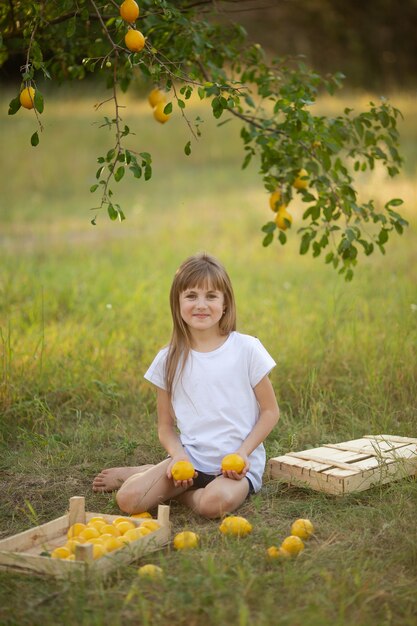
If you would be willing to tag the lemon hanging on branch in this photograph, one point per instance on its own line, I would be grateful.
(129, 11)
(301, 182)
(275, 199)
(283, 218)
(27, 97)
(159, 113)
(134, 40)
(155, 97)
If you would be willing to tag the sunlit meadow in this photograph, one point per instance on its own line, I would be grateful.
(83, 310)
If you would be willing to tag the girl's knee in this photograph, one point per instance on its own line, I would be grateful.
(125, 501)
(213, 505)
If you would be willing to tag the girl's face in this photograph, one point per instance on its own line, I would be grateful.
(202, 308)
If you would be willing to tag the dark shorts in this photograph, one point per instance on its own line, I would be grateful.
(203, 480)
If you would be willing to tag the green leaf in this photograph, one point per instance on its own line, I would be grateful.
(38, 101)
(282, 237)
(93, 188)
(305, 243)
(14, 105)
(120, 172)
(187, 148)
(267, 240)
(168, 108)
(181, 103)
(113, 214)
(34, 140)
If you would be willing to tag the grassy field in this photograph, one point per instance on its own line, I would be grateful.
(83, 310)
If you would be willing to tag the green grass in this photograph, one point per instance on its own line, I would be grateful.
(83, 310)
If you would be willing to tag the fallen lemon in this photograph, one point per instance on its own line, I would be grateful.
(159, 114)
(155, 97)
(293, 545)
(129, 11)
(302, 528)
(182, 470)
(274, 200)
(235, 525)
(150, 571)
(233, 462)
(277, 553)
(186, 540)
(301, 182)
(134, 40)
(27, 97)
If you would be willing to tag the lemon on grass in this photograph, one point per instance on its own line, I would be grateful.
(150, 571)
(283, 219)
(159, 114)
(182, 470)
(302, 528)
(134, 40)
(60, 553)
(293, 545)
(139, 515)
(274, 200)
(27, 97)
(186, 540)
(235, 525)
(301, 182)
(233, 462)
(129, 11)
(155, 97)
(273, 552)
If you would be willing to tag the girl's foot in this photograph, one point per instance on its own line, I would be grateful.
(113, 478)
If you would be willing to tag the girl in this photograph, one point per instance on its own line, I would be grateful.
(214, 398)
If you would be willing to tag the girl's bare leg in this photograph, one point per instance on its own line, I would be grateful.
(222, 495)
(145, 490)
(112, 479)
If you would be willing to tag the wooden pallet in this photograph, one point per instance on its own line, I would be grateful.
(22, 552)
(356, 465)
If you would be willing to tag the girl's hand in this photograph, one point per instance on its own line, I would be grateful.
(186, 484)
(234, 475)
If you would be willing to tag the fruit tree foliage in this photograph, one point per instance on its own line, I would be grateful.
(189, 53)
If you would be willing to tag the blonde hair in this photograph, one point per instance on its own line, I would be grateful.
(201, 271)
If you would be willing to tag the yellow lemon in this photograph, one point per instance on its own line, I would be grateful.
(233, 462)
(113, 543)
(302, 528)
(155, 97)
(182, 470)
(277, 553)
(89, 533)
(160, 116)
(301, 182)
(235, 525)
(117, 521)
(97, 524)
(274, 200)
(75, 530)
(70, 545)
(143, 531)
(111, 530)
(71, 557)
(139, 515)
(293, 545)
(125, 526)
(132, 535)
(151, 524)
(283, 219)
(27, 97)
(98, 518)
(186, 540)
(150, 571)
(129, 11)
(60, 553)
(134, 40)
(99, 550)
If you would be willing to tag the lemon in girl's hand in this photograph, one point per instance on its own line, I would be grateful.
(186, 540)
(233, 462)
(302, 528)
(235, 525)
(182, 470)
(293, 545)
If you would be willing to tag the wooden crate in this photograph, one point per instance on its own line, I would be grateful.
(22, 552)
(356, 465)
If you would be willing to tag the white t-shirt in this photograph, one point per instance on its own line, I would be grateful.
(214, 403)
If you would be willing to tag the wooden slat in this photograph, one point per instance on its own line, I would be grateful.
(309, 457)
(395, 438)
(34, 536)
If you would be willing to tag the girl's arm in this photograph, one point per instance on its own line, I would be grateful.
(268, 417)
(168, 435)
